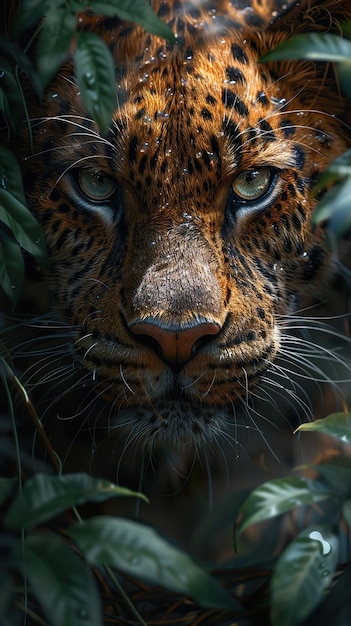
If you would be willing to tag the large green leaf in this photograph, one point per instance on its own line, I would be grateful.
(29, 14)
(335, 209)
(14, 108)
(10, 175)
(6, 487)
(44, 496)
(139, 551)
(276, 497)
(23, 225)
(11, 264)
(336, 476)
(302, 574)
(312, 46)
(337, 425)
(55, 38)
(10, 49)
(132, 11)
(60, 580)
(94, 68)
(338, 169)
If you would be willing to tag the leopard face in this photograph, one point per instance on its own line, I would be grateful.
(180, 242)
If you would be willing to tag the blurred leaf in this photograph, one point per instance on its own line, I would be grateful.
(337, 476)
(134, 11)
(60, 580)
(14, 108)
(346, 511)
(94, 68)
(276, 497)
(10, 175)
(337, 425)
(11, 264)
(6, 487)
(344, 73)
(23, 225)
(55, 38)
(340, 168)
(139, 551)
(301, 575)
(44, 496)
(9, 49)
(312, 46)
(29, 14)
(334, 208)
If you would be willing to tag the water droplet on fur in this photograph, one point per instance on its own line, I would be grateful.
(162, 115)
(144, 78)
(198, 155)
(54, 95)
(144, 147)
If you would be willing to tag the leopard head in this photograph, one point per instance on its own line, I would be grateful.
(181, 240)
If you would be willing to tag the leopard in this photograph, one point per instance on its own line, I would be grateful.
(182, 255)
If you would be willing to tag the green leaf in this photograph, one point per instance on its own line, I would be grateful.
(344, 72)
(54, 42)
(336, 476)
(6, 487)
(94, 69)
(346, 511)
(31, 12)
(276, 497)
(335, 208)
(139, 551)
(336, 425)
(44, 496)
(134, 11)
(9, 49)
(340, 168)
(14, 109)
(312, 46)
(23, 225)
(302, 574)
(10, 175)
(11, 264)
(60, 580)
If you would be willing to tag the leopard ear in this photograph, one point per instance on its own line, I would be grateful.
(314, 81)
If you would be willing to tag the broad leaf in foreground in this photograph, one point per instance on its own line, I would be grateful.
(44, 497)
(276, 497)
(60, 580)
(302, 574)
(95, 77)
(139, 551)
(336, 425)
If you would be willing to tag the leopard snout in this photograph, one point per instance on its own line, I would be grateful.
(175, 346)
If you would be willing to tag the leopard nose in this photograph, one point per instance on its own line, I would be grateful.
(175, 346)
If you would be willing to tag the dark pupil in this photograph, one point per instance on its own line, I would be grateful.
(250, 176)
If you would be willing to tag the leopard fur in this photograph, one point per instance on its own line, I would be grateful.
(180, 243)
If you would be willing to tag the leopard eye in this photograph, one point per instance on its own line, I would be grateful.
(253, 184)
(96, 185)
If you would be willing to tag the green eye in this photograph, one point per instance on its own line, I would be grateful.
(96, 185)
(252, 184)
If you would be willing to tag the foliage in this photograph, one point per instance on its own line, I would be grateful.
(61, 580)
(334, 207)
(58, 30)
(60, 563)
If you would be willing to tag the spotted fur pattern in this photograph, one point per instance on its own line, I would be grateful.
(180, 242)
